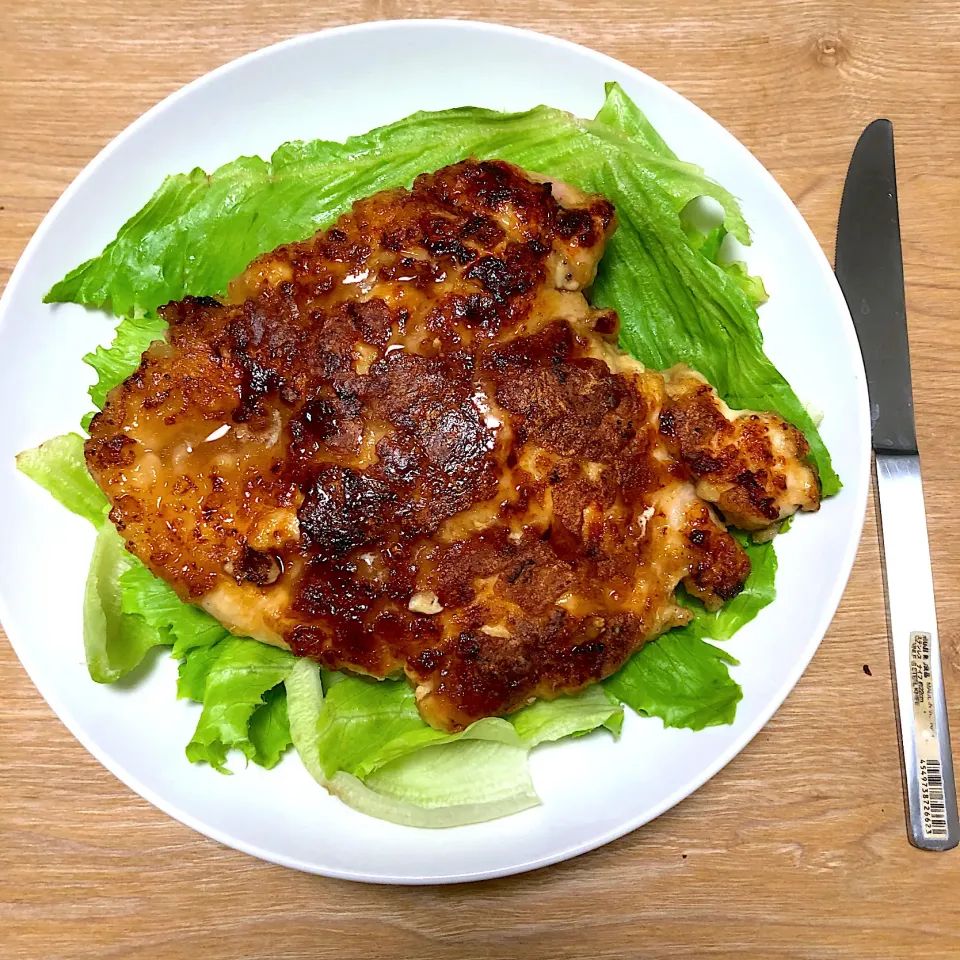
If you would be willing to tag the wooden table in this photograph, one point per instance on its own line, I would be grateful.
(797, 849)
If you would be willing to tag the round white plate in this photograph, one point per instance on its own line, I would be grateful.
(331, 85)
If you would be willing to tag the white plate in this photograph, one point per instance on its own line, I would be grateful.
(331, 85)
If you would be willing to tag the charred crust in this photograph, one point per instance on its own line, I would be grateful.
(719, 566)
(111, 452)
(258, 567)
(741, 460)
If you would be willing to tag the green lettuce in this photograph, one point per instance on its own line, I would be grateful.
(115, 363)
(758, 591)
(269, 730)
(465, 773)
(114, 642)
(621, 113)
(574, 716)
(238, 680)
(58, 466)
(681, 679)
(193, 672)
(676, 306)
(235, 681)
(157, 603)
(366, 724)
(199, 230)
(710, 317)
(443, 785)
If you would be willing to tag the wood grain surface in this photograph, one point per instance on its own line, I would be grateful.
(797, 849)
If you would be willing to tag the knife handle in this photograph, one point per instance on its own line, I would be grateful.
(931, 798)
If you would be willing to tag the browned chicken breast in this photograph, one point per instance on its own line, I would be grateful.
(409, 446)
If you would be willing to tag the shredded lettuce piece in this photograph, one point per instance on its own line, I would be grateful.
(236, 675)
(681, 679)
(573, 716)
(115, 642)
(115, 363)
(269, 730)
(158, 604)
(366, 724)
(58, 466)
(444, 785)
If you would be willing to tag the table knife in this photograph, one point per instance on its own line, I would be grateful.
(869, 268)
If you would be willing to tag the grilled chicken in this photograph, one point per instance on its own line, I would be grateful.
(409, 446)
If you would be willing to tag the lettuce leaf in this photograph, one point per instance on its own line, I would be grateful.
(443, 785)
(462, 773)
(236, 675)
(753, 289)
(199, 230)
(367, 724)
(729, 353)
(114, 641)
(685, 681)
(269, 730)
(58, 466)
(115, 363)
(193, 672)
(620, 112)
(365, 741)
(676, 306)
(155, 601)
(681, 679)
(238, 680)
(572, 716)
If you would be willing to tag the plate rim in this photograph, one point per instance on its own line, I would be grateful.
(801, 662)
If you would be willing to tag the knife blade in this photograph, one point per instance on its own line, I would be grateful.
(869, 268)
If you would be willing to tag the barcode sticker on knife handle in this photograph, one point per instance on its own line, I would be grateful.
(930, 773)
